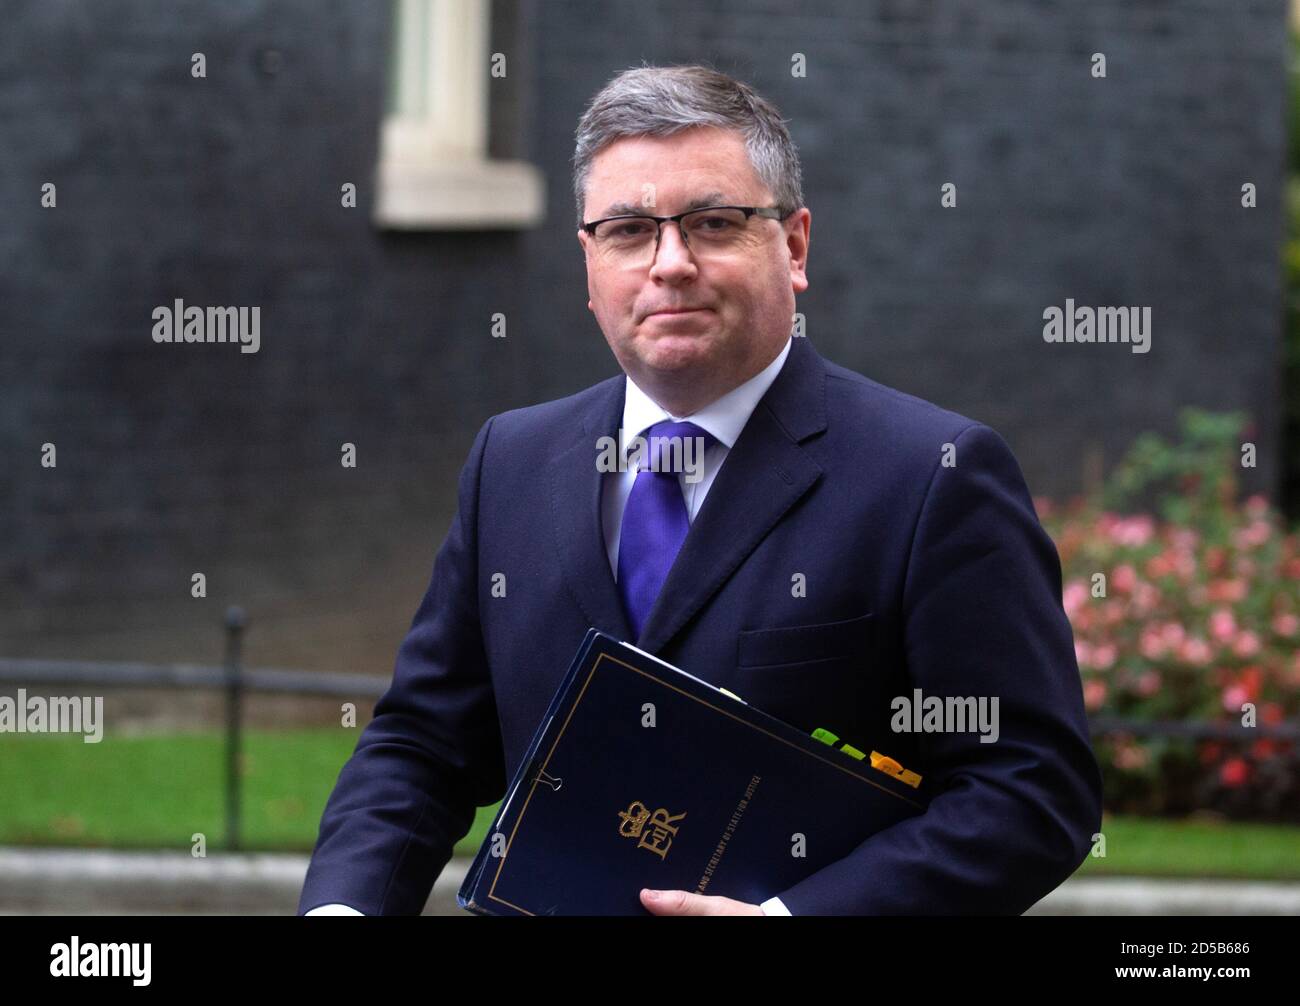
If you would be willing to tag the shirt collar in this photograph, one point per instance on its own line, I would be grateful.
(724, 417)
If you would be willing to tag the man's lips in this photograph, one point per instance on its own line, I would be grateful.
(676, 310)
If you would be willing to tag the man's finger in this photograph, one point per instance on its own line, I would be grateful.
(683, 903)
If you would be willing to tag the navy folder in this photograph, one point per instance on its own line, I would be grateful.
(642, 775)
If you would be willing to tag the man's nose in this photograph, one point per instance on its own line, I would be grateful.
(673, 253)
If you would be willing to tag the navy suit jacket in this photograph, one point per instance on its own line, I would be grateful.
(917, 575)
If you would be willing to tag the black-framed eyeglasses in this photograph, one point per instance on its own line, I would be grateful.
(633, 238)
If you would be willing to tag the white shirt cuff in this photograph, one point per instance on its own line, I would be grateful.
(774, 906)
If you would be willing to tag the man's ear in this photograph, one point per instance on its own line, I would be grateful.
(797, 239)
(582, 240)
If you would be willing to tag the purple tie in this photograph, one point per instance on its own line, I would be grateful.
(654, 522)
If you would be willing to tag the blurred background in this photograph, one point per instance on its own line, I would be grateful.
(389, 183)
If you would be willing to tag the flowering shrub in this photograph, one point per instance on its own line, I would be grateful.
(1194, 616)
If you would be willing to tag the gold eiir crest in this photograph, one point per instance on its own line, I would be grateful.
(658, 836)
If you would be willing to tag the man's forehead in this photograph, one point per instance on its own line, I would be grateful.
(713, 198)
(697, 170)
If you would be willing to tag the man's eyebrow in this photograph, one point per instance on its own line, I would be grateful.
(708, 199)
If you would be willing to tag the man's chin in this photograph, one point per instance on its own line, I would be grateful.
(678, 351)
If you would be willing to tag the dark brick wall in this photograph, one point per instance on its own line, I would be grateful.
(226, 190)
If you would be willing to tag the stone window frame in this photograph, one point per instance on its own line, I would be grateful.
(434, 170)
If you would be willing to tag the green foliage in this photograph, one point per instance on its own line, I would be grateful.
(1192, 482)
(1291, 265)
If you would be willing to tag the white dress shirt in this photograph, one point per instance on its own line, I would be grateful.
(724, 418)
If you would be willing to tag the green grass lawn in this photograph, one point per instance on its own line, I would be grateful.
(157, 791)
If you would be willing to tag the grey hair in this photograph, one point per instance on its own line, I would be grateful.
(662, 100)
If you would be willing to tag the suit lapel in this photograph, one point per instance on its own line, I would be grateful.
(763, 475)
(576, 509)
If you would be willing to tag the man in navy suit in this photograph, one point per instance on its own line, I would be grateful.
(838, 547)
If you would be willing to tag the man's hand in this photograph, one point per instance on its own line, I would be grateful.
(687, 903)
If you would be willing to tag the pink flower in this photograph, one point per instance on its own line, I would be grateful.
(1195, 651)
(1130, 756)
(1103, 656)
(1172, 633)
(1148, 683)
(1257, 505)
(1246, 644)
(1223, 626)
(1145, 598)
(1286, 624)
(1152, 644)
(1094, 694)
(1234, 697)
(1134, 531)
(1124, 579)
(1074, 597)
(1226, 590)
(1083, 653)
(1252, 535)
(1159, 565)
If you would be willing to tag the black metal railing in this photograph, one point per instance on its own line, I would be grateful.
(236, 681)
(231, 677)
